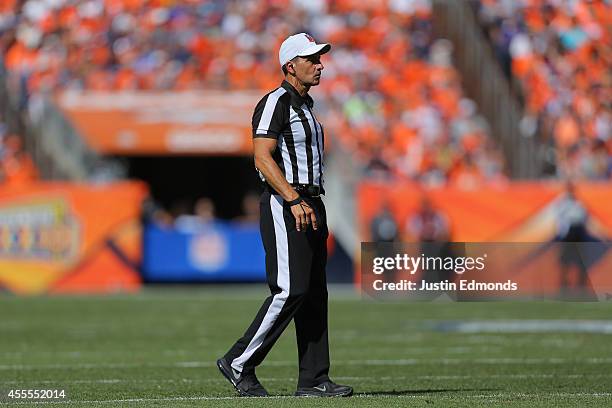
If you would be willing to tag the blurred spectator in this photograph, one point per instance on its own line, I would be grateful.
(250, 208)
(560, 53)
(203, 214)
(571, 217)
(430, 228)
(16, 166)
(384, 230)
(153, 212)
(204, 209)
(427, 225)
(383, 227)
(571, 230)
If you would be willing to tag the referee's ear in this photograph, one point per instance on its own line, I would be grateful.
(288, 70)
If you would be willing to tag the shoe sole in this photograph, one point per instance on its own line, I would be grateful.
(323, 394)
(227, 374)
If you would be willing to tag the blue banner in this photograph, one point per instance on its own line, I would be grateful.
(214, 252)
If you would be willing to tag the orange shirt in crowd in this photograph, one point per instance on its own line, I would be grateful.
(567, 131)
(18, 170)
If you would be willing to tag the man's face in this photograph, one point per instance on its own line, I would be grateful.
(308, 69)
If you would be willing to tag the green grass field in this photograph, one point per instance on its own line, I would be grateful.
(158, 349)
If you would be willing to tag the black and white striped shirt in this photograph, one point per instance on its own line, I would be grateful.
(288, 117)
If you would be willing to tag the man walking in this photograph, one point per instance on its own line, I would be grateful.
(288, 148)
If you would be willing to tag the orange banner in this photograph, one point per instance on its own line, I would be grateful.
(62, 237)
(519, 212)
(514, 212)
(158, 123)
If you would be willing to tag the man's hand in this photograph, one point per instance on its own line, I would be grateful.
(304, 215)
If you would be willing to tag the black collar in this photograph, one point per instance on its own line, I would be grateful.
(297, 100)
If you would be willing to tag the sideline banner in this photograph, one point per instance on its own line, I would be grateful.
(70, 238)
(530, 214)
(215, 252)
(514, 212)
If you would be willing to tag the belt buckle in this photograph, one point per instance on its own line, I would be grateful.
(308, 190)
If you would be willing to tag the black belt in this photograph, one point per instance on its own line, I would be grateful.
(308, 190)
(305, 190)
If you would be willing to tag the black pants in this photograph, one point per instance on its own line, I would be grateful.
(295, 269)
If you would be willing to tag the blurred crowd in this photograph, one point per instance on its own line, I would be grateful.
(560, 52)
(390, 94)
(195, 215)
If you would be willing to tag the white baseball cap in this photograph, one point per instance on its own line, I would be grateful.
(300, 45)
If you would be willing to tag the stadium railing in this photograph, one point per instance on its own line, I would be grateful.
(487, 85)
(56, 147)
(68, 155)
(342, 178)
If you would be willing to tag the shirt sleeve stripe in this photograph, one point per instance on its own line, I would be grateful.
(269, 135)
(266, 117)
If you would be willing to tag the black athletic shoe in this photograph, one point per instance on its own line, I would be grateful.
(246, 385)
(325, 389)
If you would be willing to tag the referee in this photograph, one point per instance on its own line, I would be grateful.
(288, 147)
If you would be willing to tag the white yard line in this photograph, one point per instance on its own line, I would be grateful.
(390, 396)
(289, 379)
(524, 326)
(179, 352)
(371, 362)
